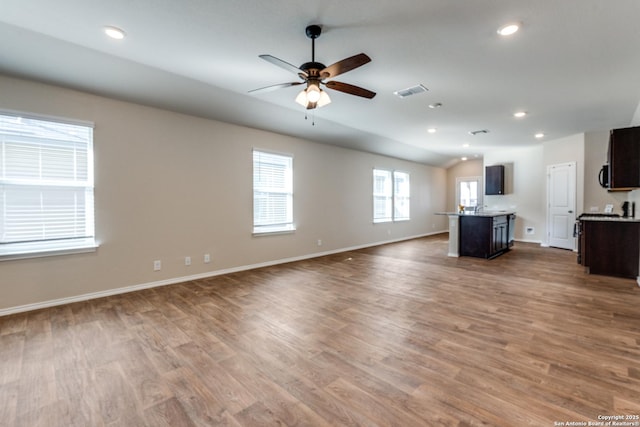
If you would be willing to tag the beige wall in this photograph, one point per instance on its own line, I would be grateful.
(526, 187)
(169, 185)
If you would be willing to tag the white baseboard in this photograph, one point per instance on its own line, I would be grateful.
(175, 280)
(538, 242)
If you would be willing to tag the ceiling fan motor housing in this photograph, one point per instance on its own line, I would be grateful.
(313, 31)
(312, 68)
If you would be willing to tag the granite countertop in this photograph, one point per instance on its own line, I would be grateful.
(480, 213)
(588, 217)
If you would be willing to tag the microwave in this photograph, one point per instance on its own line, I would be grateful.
(603, 176)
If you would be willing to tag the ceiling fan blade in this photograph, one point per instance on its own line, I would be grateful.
(282, 64)
(274, 87)
(345, 65)
(350, 89)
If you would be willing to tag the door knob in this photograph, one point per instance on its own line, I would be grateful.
(570, 211)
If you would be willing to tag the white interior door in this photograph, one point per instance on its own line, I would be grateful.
(561, 196)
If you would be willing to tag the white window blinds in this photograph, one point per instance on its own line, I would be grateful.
(391, 196)
(382, 196)
(401, 196)
(46, 181)
(272, 192)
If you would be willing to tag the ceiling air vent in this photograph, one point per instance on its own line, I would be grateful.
(478, 132)
(413, 90)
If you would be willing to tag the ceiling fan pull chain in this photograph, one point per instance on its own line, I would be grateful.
(313, 117)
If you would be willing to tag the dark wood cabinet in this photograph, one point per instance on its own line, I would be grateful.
(483, 236)
(610, 248)
(500, 234)
(624, 158)
(494, 180)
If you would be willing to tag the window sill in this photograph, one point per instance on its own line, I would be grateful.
(391, 221)
(382, 221)
(274, 231)
(14, 251)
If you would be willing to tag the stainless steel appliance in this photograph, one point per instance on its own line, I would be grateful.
(512, 229)
(577, 228)
(603, 176)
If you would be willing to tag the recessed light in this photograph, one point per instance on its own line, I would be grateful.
(465, 145)
(539, 135)
(519, 114)
(114, 33)
(509, 29)
(432, 130)
(464, 159)
(435, 105)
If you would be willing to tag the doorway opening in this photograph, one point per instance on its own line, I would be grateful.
(469, 192)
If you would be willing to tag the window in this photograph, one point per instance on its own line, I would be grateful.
(391, 196)
(272, 192)
(46, 187)
(382, 196)
(468, 192)
(401, 196)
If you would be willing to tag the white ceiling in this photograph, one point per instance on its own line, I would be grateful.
(574, 66)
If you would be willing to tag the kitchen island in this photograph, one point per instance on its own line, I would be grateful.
(483, 234)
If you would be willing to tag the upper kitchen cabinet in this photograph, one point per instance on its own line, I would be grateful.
(624, 158)
(494, 180)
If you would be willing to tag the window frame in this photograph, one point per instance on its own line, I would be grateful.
(460, 180)
(401, 199)
(391, 196)
(382, 195)
(289, 225)
(12, 249)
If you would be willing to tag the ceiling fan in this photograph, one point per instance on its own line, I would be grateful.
(314, 74)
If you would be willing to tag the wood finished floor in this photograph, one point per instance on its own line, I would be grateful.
(396, 335)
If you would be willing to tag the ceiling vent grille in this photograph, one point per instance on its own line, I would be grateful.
(413, 90)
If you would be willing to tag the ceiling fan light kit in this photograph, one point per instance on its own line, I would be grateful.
(313, 97)
(314, 74)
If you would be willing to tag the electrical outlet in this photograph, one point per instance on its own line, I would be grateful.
(157, 265)
(319, 242)
(207, 258)
(530, 230)
(187, 260)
